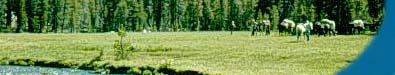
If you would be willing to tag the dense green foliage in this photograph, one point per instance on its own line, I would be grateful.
(40, 16)
(208, 52)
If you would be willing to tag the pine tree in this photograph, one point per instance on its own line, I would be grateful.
(121, 13)
(3, 8)
(110, 6)
(65, 15)
(158, 13)
(148, 8)
(198, 14)
(30, 15)
(55, 6)
(45, 16)
(173, 14)
(177, 15)
(21, 15)
(93, 12)
(376, 11)
(183, 21)
(234, 13)
(139, 14)
(10, 7)
(84, 16)
(207, 15)
(222, 14)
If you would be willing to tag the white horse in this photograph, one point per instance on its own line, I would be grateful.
(288, 25)
(146, 31)
(266, 24)
(304, 29)
(330, 26)
(358, 25)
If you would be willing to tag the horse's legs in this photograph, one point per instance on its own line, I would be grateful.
(258, 30)
(267, 30)
(324, 32)
(262, 30)
(362, 31)
(334, 32)
(320, 32)
(254, 31)
(328, 32)
(291, 31)
(297, 36)
(359, 31)
(300, 34)
(331, 32)
(308, 35)
(279, 32)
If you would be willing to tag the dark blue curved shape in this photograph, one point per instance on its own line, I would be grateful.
(379, 57)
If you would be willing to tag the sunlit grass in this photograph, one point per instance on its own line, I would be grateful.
(210, 52)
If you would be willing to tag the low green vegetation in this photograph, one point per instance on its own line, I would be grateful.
(186, 52)
(121, 46)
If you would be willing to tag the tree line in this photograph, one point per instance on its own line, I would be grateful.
(71, 16)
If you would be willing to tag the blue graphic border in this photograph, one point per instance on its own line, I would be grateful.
(379, 56)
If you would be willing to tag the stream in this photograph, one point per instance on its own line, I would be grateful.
(35, 70)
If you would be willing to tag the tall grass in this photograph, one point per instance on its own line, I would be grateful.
(211, 52)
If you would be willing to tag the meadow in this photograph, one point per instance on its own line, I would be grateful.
(208, 52)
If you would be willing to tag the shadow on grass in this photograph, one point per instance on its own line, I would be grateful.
(371, 34)
(294, 41)
(349, 61)
(367, 34)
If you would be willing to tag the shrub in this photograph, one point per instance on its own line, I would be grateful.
(134, 70)
(20, 62)
(147, 72)
(121, 47)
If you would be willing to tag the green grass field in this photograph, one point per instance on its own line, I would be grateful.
(208, 52)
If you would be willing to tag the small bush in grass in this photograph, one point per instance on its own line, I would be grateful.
(134, 70)
(165, 65)
(147, 72)
(121, 47)
(20, 62)
(4, 61)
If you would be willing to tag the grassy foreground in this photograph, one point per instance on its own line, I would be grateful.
(208, 52)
